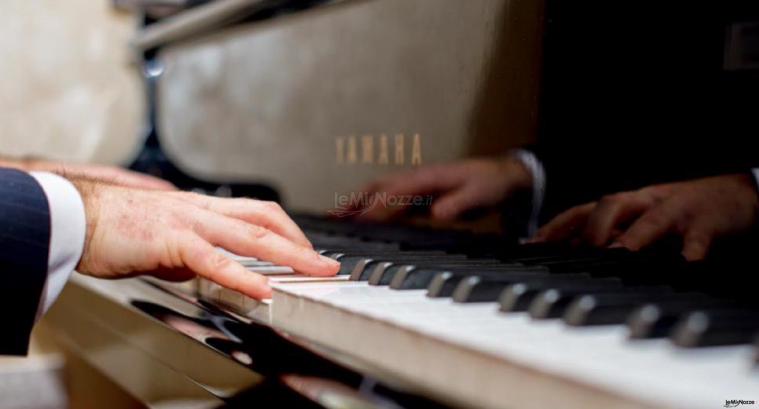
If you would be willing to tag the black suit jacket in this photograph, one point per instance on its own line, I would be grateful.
(24, 248)
(636, 93)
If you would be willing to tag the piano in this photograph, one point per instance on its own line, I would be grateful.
(426, 318)
(416, 318)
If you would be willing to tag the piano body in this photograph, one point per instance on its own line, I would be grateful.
(417, 317)
(421, 318)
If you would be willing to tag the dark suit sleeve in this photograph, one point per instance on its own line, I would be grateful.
(24, 249)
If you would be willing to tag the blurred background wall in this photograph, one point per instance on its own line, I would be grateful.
(70, 89)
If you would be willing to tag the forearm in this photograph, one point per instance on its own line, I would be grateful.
(16, 163)
(30, 164)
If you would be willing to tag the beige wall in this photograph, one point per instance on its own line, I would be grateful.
(68, 88)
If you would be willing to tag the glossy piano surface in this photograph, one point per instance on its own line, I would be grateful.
(162, 345)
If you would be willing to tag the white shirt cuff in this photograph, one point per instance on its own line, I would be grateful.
(755, 172)
(68, 227)
(535, 167)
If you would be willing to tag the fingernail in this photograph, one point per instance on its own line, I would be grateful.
(615, 245)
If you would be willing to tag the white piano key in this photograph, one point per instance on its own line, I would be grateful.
(300, 278)
(271, 270)
(255, 263)
(384, 321)
(257, 266)
(234, 256)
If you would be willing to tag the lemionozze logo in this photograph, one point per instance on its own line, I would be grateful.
(358, 203)
(734, 403)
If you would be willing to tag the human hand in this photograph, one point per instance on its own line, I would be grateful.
(108, 174)
(699, 211)
(174, 235)
(458, 187)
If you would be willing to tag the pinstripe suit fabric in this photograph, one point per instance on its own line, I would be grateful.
(24, 249)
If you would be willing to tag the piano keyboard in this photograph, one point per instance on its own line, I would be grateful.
(485, 324)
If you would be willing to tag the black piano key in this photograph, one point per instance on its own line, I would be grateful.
(421, 276)
(477, 288)
(382, 274)
(484, 288)
(347, 263)
(398, 274)
(518, 296)
(445, 283)
(655, 320)
(349, 260)
(362, 266)
(716, 327)
(378, 268)
(342, 239)
(615, 308)
(414, 277)
(335, 255)
(552, 303)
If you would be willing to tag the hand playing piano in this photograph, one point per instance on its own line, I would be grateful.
(108, 174)
(174, 235)
(458, 187)
(699, 211)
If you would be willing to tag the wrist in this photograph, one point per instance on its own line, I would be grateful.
(91, 197)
